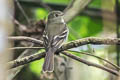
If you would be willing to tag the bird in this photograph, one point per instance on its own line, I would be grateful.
(54, 35)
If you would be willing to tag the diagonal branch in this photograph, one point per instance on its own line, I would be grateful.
(23, 12)
(74, 8)
(86, 53)
(48, 8)
(91, 64)
(14, 71)
(25, 60)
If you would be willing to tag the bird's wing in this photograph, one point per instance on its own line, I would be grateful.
(60, 38)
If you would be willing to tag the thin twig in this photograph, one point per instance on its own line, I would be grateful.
(48, 8)
(14, 48)
(86, 53)
(18, 23)
(39, 3)
(23, 12)
(22, 27)
(23, 38)
(91, 64)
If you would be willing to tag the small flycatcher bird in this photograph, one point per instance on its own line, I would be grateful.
(54, 35)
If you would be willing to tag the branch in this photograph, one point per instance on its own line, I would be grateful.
(117, 67)
(69, 45)
(14, 71)
(89, 11)
(74, 8)
(25, 48)
(73, 44)
(48, 8)
(21, 26)
(34, 3)
(25, 60)
(34, 57)
(76, 43)
(91, 64)
(23, 38)
(90, 40)
(69, 5)
(23, 12)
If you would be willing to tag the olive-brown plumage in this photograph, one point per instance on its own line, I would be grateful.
(55, 34)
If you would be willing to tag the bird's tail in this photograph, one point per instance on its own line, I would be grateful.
(48, 65)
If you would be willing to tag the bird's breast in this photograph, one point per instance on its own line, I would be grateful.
(55, 28)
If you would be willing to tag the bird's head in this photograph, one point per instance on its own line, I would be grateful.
(55, 14)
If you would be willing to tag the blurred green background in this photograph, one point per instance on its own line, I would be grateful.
(80, 27)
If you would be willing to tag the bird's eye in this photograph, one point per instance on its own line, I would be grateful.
(56, 15)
